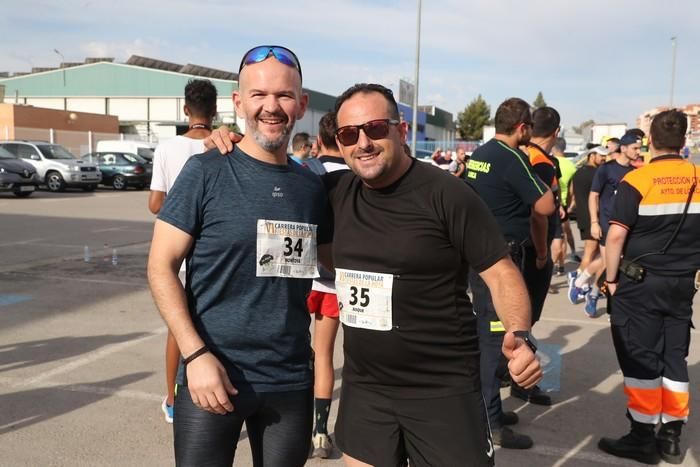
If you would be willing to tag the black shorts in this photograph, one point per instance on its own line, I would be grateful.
(385, 431)
(586, 234)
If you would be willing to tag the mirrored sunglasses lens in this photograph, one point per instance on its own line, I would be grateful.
(257, 55)
(284, 56)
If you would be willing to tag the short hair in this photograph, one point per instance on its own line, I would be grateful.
(590, 146)
(367, 88)
(636, 132)
(612, 140)
(668, 130)
(545, 121)
(510, 114)
(326, 131)
(560, 144)
(300, 140)
(200, 98)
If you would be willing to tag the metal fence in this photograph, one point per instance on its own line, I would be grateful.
(451, 145)
(78, 143)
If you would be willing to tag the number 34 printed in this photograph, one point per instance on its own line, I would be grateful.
(289, 250)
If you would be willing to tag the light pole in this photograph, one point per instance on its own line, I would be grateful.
(415, 91)
(63, 60)
(673, 70)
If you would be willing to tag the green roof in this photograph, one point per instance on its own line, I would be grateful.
(106, 79)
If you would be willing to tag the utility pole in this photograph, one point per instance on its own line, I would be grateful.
(63, 60)
(673, 70)
(414, 130)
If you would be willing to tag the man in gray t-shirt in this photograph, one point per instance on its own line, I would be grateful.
(249, 226)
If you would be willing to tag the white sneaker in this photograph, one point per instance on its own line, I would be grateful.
(323, 446)
(167, 410)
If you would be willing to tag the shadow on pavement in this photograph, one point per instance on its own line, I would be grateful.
(27, 354)
(25, 408)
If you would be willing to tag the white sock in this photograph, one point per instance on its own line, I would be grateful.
(582, 279)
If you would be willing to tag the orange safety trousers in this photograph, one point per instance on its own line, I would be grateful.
(650, 323)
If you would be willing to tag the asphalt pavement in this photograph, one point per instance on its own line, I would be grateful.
(81, 350)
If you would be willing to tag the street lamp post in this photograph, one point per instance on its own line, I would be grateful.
(415, 92)
(673, 70)
(63, 60)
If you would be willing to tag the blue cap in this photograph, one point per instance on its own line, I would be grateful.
(629, 138)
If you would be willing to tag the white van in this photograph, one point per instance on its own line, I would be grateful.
(140, 148)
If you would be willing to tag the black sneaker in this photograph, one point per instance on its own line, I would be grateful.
(534, 395)
(508, 439)
(509, 418)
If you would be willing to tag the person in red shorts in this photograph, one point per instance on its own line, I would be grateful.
(322, 302)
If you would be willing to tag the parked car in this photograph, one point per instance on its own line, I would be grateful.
(139, 148)
(56, 167)
(121, 170)
(16, 175)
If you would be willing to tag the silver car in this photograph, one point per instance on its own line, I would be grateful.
(56, 167)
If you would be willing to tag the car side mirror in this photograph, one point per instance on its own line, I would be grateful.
(35, 157)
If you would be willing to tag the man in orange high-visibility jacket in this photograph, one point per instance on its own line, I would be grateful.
(651, 292)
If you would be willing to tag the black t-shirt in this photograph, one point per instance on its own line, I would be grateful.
(426, 230)
(504, 179)
(583, 180)
(605, 182)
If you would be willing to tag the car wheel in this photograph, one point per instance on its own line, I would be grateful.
(23, 194)
(89, 187)
(55, 182)
(119, 182)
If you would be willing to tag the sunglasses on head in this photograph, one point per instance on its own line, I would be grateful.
(263, 52)
(374, 129)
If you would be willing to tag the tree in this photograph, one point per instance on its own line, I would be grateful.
(539, 101)
(471, 121)
(583, 126)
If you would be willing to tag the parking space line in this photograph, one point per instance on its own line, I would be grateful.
(91, 281)
(21, 242)
(110, 229)
(92, 357)
(599, 322)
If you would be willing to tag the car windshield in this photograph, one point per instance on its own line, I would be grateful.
(5, 154)
(54, 151)
(133, 158)
(146, 153)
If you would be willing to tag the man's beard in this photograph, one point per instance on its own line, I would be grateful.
(271, 144)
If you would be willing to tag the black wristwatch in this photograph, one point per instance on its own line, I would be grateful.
(527, 337)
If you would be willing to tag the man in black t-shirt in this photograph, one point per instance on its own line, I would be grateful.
(591, 263)
(502, 175)
(406, 236)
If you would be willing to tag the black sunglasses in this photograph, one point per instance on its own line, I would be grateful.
(374, 129)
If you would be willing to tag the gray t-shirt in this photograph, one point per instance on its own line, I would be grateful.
(257, 326)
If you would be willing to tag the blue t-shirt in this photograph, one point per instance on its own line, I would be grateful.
(258, 327)
(605, 182)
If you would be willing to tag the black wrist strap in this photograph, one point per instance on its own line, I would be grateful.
(197, 353)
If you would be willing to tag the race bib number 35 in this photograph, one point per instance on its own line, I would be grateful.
(286, 249)
(364, 299)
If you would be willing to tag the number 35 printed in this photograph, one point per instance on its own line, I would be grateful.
(364, 296)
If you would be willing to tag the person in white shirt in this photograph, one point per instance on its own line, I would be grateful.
(170, 156)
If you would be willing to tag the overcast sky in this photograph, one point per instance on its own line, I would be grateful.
(606, 60)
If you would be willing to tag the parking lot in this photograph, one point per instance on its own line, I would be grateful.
(81, 349)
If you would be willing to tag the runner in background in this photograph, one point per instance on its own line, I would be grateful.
(170, 156)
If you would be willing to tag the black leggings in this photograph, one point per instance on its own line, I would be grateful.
(278, 425)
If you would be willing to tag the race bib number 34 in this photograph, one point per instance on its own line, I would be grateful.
(364, 299)
(286, 249)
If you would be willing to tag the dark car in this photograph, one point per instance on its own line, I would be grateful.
(16, 175)
(121, 170)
